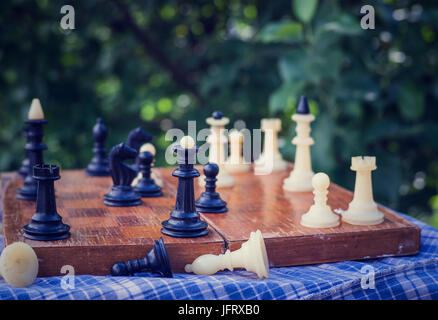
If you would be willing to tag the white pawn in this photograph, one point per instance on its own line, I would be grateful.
(19, 264)
(270, 160)
(251, 256)
(300, 179)
(320, 214)
(235, 162)
(148, 147)
(362, 210)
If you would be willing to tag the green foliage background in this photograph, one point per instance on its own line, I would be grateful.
(158, 64)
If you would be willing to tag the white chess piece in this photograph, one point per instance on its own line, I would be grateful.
(362, 210)
(300, 178)
(320, 214)
(251, 256)
(235, 162)
(35, 111)
(19, 264)
(218, 141)
(150, 148)
(270, 160)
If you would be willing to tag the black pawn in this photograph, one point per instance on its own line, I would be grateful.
(210, 201)
(34, 149)
(303, 106)
(156, 261)
(98, 166)
(46, 223)
(184, 221)
(24, 169)
(122, 194)
(146, 186)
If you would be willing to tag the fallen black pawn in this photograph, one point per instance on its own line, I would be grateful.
(46, 224)
(146, 186)
(156, 261)
(210, 201)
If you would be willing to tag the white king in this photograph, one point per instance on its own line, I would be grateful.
(251, 256)
(301, 176)
(218, 141)
(270, 160)
(362, 210)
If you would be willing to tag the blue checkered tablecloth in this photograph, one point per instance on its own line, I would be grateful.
(413, 277)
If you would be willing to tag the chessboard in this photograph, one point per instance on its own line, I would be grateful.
(102, 235)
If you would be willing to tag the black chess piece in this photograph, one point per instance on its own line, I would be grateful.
(184, 221)
(34, 149)
(122, 193)
(303, 106)
(210, 201)
(24, 169)
(136, 138)
(156, 261)
(217, 115)
(98, 166)
(146, 186)
(46, 223)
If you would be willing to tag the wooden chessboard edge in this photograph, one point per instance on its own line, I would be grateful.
(92, 260)
(8, 206)
(295, 250)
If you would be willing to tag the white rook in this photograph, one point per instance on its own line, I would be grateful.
(362, 210)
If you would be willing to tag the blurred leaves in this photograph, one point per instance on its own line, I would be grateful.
(344, 24)
(410, 101)
(283, 31)
(304, 9)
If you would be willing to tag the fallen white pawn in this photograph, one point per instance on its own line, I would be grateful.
(19, 264)
(251, 256)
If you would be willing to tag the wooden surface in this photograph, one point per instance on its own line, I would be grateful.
(103, 235)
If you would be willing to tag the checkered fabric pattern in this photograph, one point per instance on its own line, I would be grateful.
(413, 277)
